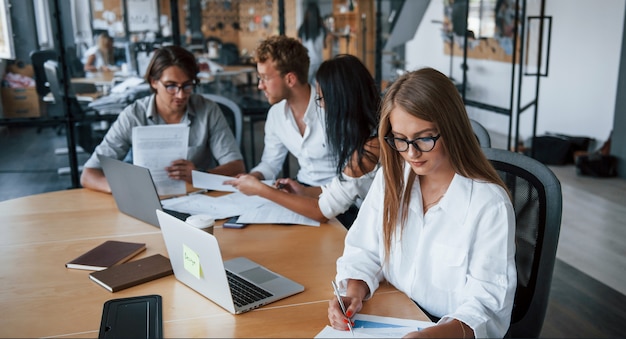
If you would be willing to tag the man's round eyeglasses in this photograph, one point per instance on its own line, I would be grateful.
(174, 88)
(265, 78)
(425, 144)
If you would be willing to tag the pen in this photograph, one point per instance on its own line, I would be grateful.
(343, 307)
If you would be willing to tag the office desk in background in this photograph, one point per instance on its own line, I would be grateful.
(41, 298)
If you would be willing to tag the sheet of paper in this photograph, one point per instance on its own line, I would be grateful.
(155, 147)
(371, 326)
(210, 181)
(272, 213)
(226, 206)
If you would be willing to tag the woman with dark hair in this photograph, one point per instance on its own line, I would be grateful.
(347, 94)
(437, 223)
(172, 78)
(312, 34)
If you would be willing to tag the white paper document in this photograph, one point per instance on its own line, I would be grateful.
(214, 182)
(226, 206)
(372, 326)
(272, 213)
(155, 147)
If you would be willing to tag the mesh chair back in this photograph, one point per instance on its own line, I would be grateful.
(481, 134)
(232, 113)
(537, 201)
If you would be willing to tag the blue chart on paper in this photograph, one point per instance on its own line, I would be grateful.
(375, 324)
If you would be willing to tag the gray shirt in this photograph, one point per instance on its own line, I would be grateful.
(210, 138)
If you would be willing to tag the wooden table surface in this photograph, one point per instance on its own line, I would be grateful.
(41, 298)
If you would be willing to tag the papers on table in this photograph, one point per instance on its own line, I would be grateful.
(250, 209)
(371, 326)
(155, 147)
(222, 207)
(273, 213)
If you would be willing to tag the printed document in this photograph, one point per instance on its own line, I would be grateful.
(214, 182)
(372, 326)
(155, 147)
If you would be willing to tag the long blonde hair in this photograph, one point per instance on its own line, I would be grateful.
(429, 95)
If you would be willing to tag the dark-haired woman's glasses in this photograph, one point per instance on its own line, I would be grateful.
(425, 144)
(172, 88)
(318, 101)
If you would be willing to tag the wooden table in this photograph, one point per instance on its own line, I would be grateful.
(39, 297)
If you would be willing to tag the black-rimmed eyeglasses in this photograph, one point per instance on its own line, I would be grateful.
(172, 88)
(318, 101)
(425, 144)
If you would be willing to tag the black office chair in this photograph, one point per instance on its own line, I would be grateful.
(37, 59)
(537, 200)
(481, 134)
(86, 138)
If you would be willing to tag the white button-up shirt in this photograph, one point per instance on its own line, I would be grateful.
(456, 261)
(282, 136)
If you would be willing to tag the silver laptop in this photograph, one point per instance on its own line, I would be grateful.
(237, 285)
(134, 191)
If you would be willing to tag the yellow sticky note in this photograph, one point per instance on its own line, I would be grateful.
(192, 262)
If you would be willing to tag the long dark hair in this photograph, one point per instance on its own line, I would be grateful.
(351, 102)
(312, 24)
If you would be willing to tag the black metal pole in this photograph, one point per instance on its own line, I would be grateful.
(281, 17)
(65, 104)
(378, 69)
(175, 22)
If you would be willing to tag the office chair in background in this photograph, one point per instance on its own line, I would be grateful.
(481, 134)
(87, 137)
(37, 59)
(537, 201)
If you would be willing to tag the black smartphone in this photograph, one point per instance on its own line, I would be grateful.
(232, 223)
(134, 317)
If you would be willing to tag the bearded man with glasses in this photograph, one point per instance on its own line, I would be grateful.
(172, 76)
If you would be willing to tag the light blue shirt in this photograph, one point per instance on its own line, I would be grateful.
(210, 137)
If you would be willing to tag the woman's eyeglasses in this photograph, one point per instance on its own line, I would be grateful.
(425, 144)
(318, 101)
(174, 88)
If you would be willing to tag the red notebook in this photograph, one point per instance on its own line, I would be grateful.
(133, 273)
(107, 254)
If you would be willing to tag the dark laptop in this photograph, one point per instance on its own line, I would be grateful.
(134, 191)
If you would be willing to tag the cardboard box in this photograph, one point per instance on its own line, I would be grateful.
(20, 103)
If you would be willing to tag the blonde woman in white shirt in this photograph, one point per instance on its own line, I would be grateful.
(100, 57)
(437, 223)
(346, 92)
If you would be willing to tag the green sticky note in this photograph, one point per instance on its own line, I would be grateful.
(192, 262)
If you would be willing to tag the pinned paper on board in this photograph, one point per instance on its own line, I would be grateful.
(192, 262)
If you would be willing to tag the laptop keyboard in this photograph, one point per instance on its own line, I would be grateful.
(244, 292)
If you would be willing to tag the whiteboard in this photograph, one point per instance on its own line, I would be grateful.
(143, 15)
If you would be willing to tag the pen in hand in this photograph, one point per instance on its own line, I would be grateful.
(343, 307)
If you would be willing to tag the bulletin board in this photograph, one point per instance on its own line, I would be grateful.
(143, 16)
(7, 50)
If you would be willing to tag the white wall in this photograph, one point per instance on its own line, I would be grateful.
(578, 96)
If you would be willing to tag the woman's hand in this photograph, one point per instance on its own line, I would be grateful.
(180, 170)
(289, 186)
(337, 319)
(247, 184)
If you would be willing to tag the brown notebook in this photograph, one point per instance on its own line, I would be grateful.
(107, 254)
(133, 273)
